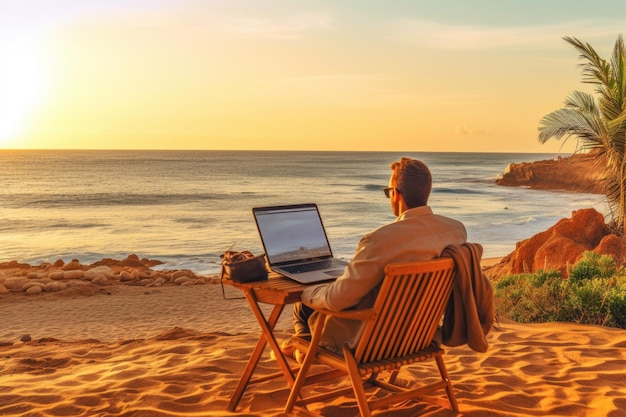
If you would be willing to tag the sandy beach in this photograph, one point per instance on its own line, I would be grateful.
(179, 350)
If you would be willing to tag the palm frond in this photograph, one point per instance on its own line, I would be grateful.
(618, 64)
(580, 118)
(606, 76)
(596, 70)
(582, 102)
(617, 129)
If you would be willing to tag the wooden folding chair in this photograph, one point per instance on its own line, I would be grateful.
(399, 331)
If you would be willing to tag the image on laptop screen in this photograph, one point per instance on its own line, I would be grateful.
(292, 234)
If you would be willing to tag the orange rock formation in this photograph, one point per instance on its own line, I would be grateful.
(579, 172)
(562, 245)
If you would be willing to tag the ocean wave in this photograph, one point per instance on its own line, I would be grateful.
(193, 220)
(373, 187)
(464, 191)
(525, 220)
(103, 199)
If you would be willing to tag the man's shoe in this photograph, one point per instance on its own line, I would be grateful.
(287, 348)
(298, 356)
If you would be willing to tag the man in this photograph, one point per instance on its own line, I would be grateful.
(416, 235)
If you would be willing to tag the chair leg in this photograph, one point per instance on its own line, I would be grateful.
(444, 375)
(357, 383)
(299, 382)
(304, 368)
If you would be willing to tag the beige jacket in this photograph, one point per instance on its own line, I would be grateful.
(416, 235)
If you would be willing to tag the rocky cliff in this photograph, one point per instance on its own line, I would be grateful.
(561, 246)
(579, 172)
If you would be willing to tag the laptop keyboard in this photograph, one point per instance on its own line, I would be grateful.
(313, 266)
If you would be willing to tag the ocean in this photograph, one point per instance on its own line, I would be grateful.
(185, 208)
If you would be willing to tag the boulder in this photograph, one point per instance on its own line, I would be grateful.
(562, 245)
(34, 290)
(56, 275)
(103, 270)
(132, 261)
(15, 283)
(183, 280)
(73, 274)
(182, 273)
(100, 279)
(585, 226)
(72, 266)
(611, 245)
(557, 254)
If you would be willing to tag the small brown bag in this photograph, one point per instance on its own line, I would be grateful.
(243, 266)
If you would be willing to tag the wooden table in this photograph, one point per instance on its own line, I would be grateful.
(277, 291)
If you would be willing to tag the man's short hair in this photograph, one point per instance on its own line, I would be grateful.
(413, 180)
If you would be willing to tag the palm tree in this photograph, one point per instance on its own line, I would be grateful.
(599, 125)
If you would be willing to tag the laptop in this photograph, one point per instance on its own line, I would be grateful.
(295, 243)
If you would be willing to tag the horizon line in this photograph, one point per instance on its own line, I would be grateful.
(265, 150)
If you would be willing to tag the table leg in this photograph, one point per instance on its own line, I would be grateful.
(267, 336)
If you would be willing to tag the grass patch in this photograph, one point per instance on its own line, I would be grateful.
(594, 293)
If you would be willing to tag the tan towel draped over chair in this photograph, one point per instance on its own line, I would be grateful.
(470, 312)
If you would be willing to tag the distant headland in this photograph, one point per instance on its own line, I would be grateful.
(580, 173)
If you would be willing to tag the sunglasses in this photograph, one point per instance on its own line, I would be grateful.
(387, 190)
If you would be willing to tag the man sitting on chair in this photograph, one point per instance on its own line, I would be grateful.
(416, 235)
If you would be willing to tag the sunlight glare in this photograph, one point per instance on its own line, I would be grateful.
(22, 86)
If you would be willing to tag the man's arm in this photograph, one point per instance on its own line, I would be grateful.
(361, 276)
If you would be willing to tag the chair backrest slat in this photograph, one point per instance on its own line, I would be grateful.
(429, 321)
(406, 310)
(415, 330)
(409, 307)
(392, 316)
(377, 336)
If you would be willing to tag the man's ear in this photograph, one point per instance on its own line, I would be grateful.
(400, 202)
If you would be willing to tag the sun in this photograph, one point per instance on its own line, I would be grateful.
(23, 82)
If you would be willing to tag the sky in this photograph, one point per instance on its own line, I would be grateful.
(353, 75)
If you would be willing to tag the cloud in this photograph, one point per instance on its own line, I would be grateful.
(447, 36)
(339, 89)
(356, 90)
(293, 27)
(466, 129)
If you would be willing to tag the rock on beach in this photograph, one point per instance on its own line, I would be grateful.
(22, 278)
(562, 245)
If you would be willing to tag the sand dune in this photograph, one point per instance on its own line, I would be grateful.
(174, 351)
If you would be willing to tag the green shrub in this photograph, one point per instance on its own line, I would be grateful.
(593, 265)
(587, 302)
(616, 303)
(595, 293)
(530, 298)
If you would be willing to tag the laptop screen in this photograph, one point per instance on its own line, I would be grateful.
(292, 233)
